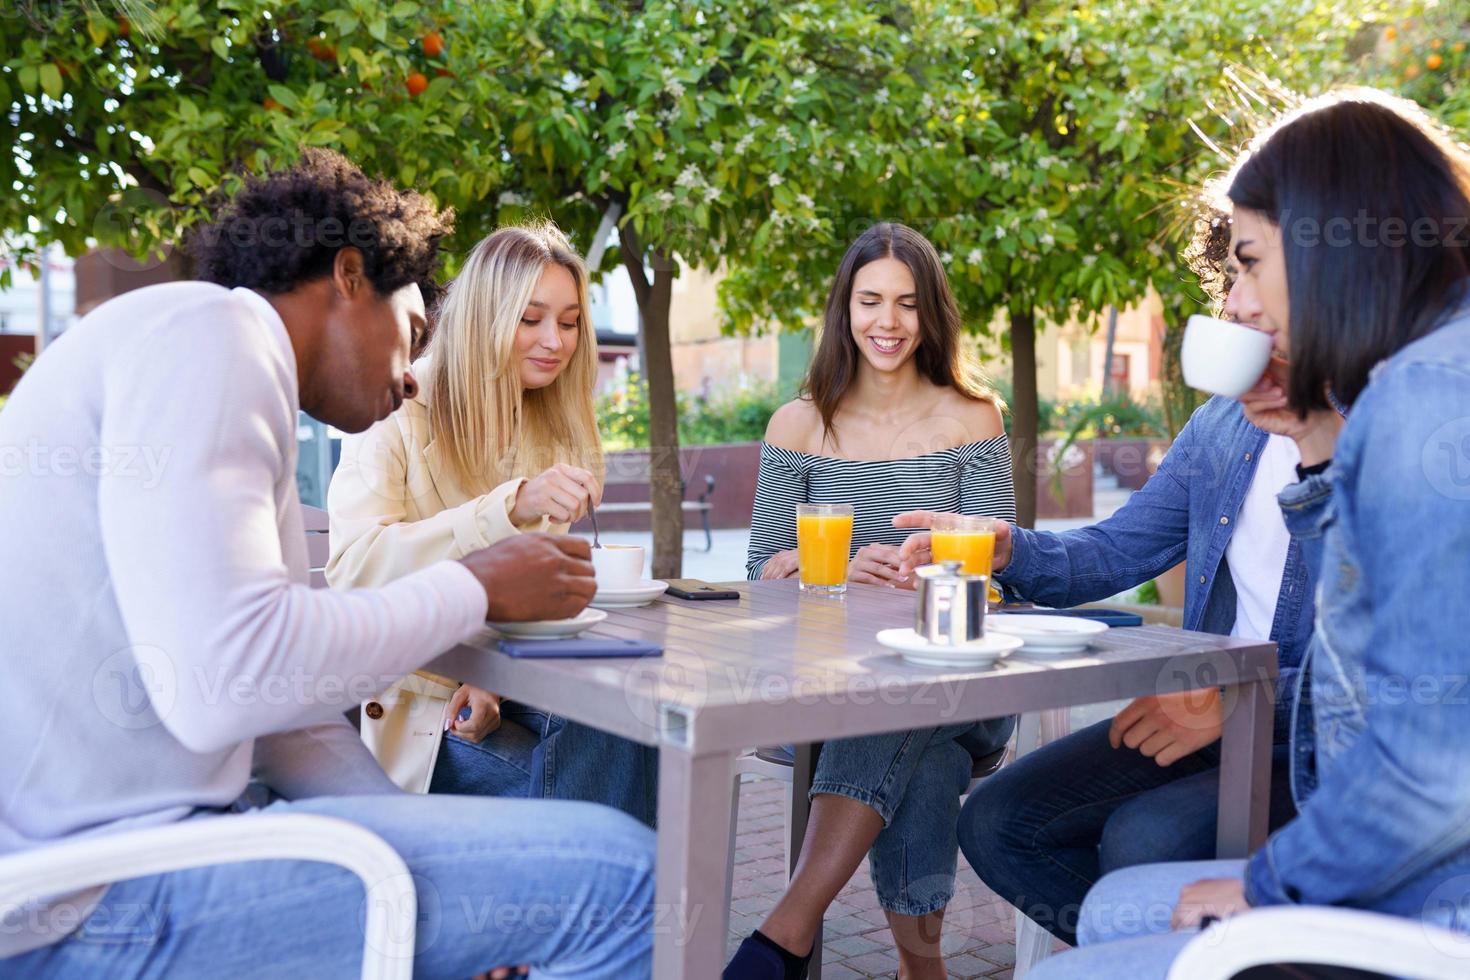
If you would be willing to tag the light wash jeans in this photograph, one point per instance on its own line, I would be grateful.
(566, 887)
(1123, 931)
(545, 756)
(914, 781)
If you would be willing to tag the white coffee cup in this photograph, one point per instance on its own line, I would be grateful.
(1223, 358)
(618, 566)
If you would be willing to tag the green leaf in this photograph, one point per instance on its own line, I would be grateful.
(28, 79)
(378, 28)
(284, 96)
(220, 46)
(51, 80)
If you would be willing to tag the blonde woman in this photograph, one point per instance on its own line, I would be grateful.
(501, 438)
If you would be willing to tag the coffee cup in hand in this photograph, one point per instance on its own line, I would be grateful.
(618, 566)
(1223, 358)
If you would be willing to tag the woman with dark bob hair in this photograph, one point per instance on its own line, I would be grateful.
(1349, 240)
(893, 417)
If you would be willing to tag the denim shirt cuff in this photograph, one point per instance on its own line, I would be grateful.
(1304, 505)
(1262, 885)
(1019, 567)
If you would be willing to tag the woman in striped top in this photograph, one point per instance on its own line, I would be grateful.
(892, 417)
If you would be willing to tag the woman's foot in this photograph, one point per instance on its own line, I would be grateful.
(762, 958)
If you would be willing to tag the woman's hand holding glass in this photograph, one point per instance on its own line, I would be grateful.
(562, 494)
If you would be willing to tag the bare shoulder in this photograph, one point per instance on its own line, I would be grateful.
(797, 426)
(980, 417)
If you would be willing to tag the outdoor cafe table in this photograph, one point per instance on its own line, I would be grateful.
(780, 667)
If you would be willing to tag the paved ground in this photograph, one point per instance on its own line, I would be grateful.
(979, 928)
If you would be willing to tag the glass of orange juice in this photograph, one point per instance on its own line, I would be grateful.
(823, 544)
(959, 537)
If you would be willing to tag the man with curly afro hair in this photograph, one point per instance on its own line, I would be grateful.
(167, 649)
(1144, 786)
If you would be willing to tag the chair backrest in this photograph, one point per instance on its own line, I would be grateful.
(318, 546)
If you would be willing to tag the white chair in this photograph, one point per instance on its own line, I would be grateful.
(1327, 937)
(1034, 730)
(391, 904)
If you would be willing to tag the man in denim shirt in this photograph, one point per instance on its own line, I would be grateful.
(1144, 787)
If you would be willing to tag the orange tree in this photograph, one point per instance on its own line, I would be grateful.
(1038, 144)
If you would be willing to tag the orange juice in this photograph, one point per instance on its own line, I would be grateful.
(823, 542)
(975, 548)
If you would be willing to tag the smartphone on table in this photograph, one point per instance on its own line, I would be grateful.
(693, 588)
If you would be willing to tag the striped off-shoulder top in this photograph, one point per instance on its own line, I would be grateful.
(970, 479)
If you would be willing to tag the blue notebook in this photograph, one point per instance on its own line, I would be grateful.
(578, 647)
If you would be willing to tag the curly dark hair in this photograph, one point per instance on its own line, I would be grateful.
(1208, 251)
(286, 228)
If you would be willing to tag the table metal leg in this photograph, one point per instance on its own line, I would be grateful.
(1245, 769)
(691, 917)
(803, 771)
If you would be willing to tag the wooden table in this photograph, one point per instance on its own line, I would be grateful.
(779, 666)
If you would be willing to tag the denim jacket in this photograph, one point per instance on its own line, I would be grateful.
(1384, 818)
(1186, 510)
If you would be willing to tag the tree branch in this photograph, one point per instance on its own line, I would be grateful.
(632, 250)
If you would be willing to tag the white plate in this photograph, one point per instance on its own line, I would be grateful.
(551, 629)
(646, 591)
(916, 649)
(1048, 634)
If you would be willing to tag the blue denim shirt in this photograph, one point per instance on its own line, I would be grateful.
(1186, 510)
(1384, 819)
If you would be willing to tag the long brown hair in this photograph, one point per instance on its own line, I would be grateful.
(940, 357)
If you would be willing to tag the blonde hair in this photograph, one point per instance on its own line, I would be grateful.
(488, 426)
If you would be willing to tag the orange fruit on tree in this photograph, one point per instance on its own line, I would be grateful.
(270, 103)
(320, 49)
(433, 43)
(1436, 44)
(124, 27)
(417, 83)
(444, 73)
(1411, 72)
(1433, 62)
(1458, 47)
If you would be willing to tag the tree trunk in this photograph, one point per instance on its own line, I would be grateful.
(1024, 413)
(666, 482)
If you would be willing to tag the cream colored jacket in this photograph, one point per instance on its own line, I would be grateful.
(395, 509)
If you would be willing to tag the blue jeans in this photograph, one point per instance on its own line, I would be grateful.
(540, 755)
(914, 781)
(1044, 829)
(566, 887)
(1124, 928)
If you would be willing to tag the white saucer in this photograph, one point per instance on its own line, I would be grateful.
(981, 653)
(641, 595)
(1048, 634)
(548, 629)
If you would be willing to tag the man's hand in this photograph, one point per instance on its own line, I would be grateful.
(535, 576)
(783, 564)
(1217, 897)
(1167, 727)
(484, 713)
(875, 564)
(918, 549)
